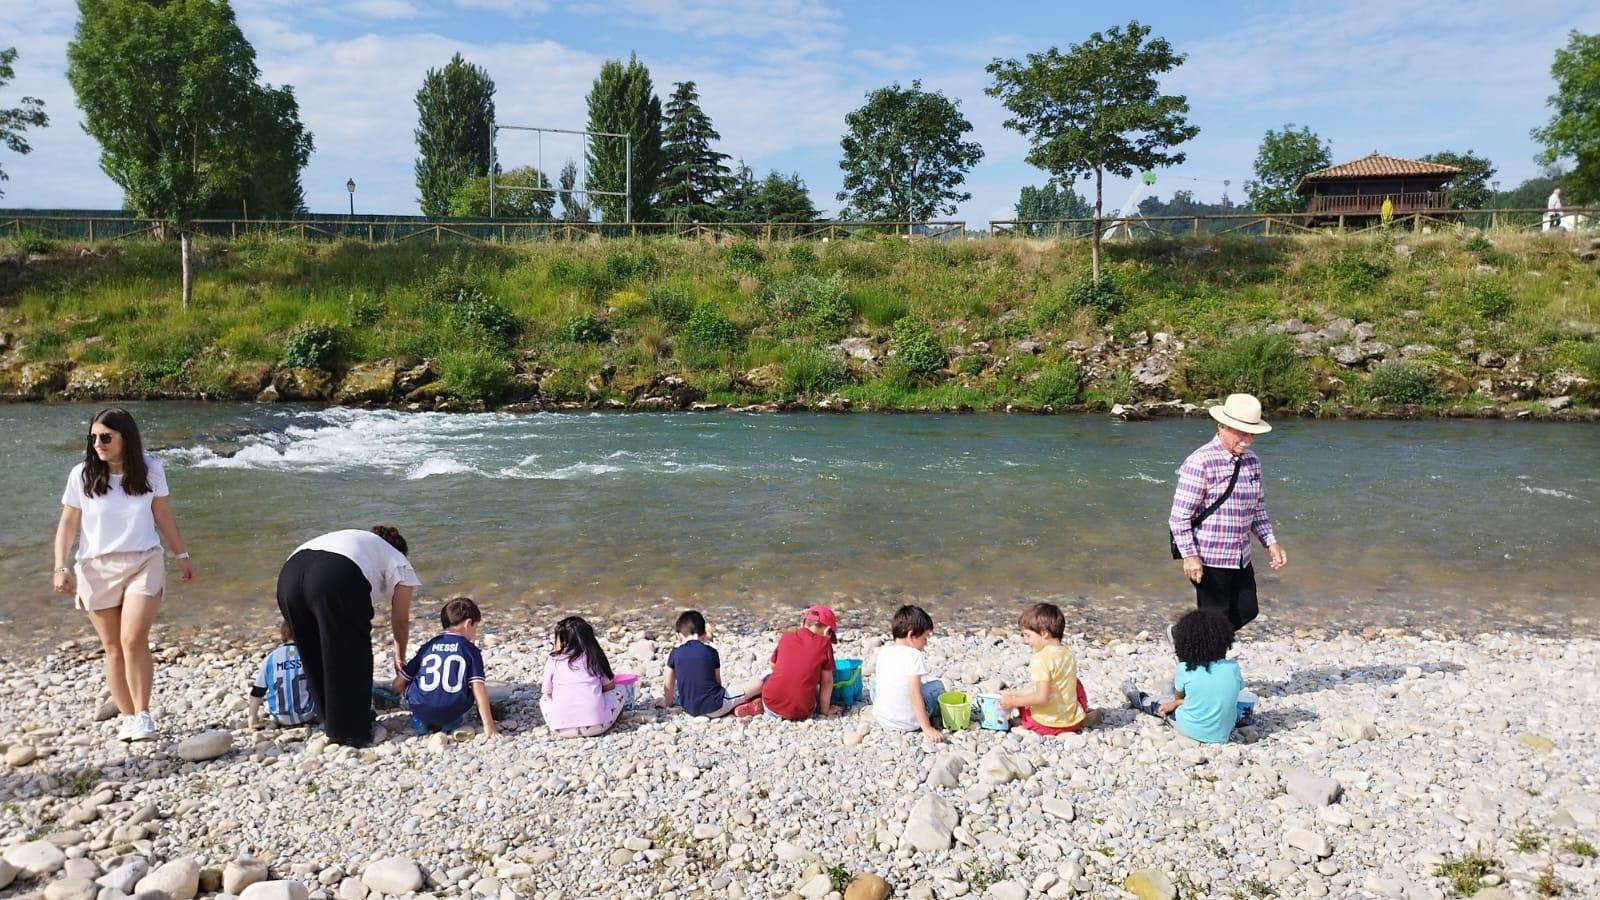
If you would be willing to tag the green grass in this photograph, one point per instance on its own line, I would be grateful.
(486, 313)
(1465, 873)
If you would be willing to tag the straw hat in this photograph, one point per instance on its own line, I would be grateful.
(1241, 412)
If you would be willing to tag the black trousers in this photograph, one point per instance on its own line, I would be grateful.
(1231, 592)
(328, 605)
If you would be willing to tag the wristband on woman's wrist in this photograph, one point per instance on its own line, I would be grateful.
(183, 555)
(63, 569)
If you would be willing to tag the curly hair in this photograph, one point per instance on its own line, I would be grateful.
(1201, 637)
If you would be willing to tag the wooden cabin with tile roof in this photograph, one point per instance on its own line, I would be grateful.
(1357, 189)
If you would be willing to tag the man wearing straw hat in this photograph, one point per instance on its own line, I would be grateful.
(1218, 504)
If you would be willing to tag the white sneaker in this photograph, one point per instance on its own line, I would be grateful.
(141, 727)
(124, 725)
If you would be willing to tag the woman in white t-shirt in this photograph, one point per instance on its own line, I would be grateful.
(326, 590)
(115, 504)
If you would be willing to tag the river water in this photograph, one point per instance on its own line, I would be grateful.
(1462, 525)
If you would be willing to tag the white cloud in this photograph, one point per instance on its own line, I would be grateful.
(752, 19)
(506, 7)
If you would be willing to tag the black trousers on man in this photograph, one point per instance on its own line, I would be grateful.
(328, 605)
(1231, 592)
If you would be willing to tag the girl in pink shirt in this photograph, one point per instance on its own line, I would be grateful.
(579, 698)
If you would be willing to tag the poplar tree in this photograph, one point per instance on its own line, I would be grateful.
(455, 111)
(623, 101)
(693, 175)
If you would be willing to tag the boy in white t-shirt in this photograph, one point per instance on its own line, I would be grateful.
(902, 700)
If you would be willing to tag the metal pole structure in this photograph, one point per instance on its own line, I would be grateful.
(627, 178)
(492, 128)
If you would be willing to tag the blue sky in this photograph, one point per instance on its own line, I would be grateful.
(778, 77)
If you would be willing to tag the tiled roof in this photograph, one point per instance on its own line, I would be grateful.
(1375, 166)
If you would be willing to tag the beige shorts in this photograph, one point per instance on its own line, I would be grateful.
(104, 580)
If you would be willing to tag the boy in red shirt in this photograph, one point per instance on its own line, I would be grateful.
(802, 671)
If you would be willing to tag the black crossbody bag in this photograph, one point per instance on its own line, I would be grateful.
(1206, 513)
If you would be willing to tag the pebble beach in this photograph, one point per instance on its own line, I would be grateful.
(1403, 764)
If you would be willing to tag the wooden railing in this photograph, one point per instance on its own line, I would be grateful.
(1270, 224)
(1372, 204)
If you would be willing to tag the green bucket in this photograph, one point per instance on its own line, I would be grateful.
(955, 710)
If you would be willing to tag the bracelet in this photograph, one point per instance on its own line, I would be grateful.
(183, 555)
(63, 569)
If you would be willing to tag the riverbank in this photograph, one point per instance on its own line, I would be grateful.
(1397, 324)
(1468, 757)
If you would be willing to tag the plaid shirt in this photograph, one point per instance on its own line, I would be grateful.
(1223, 539)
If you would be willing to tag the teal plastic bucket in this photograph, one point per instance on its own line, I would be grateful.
(846, 682)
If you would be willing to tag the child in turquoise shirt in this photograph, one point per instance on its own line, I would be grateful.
(1205, 690)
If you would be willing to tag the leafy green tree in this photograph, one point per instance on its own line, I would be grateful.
(1531, 193)
(1181, 204)
(1096, 108)
(781, 199)
(623, 101)
(735, 202)
(169, 91)
(472, 199)
(693, 173)
(574, 206)
(1573, 132)
(19, 118)
(269, 186)
(904, 157)
(1283, 159)
(455, 113)
(1044, 204)
(1470, 189)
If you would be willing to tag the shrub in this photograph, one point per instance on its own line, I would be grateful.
(1478, 243)
(561, 271)
(672, 305)
(1400, 381)
(1259, 364)
(365, 309)
(1356, 273)
(1101, 297)
(814, 371)
(971, 364)
(312, 345)
(802, 254)
(743, 256)
(916, 347)
(878, 306)
(586, 330)
(476, 373)
(708, 330)
(809, 303)
(1491, 298)
(33, 243)
(1059, 385)
(474, 311)
(444, 286)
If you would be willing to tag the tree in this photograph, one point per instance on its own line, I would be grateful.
(574, 206)
(1470, 189)
(1047, 203)
(472, 198)
(455, 113)
(780, 199)
(269, 186)
(903, 155)
(169, 91)
(1573, 132)
(735, 202)
(1181, 204)
(693, 173)
(19, 118)
(623, 101)
(1284, 158)
(1097, 108)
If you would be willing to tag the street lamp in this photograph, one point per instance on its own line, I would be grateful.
(351, 187)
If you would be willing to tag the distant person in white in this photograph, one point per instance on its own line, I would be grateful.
(115, 504)
(1552, 206)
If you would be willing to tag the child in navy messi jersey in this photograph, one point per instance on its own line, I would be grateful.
(443, 681)
(281, 683)
(694, 673)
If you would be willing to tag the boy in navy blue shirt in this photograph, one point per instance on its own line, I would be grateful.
(443, 681)
(694, 673)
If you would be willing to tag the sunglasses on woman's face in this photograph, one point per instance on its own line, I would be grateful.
(104, 437)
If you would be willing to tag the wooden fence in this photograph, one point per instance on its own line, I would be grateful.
(1269, 224)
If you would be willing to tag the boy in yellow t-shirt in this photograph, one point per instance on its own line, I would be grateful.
(1055, 703)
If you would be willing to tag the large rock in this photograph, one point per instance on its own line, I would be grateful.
(71, 888)
(392, 875)
(178, 879)
(99, 381)
(866, 887)
(206, 745)
(243, 381)
(1489, 359)
(125, 875)
(945, 771)
(416, 376)
(240, 873)
(664, 392)
(368, 383)
(859, 348)
(999, 767)
(8, 874)
(302, 384)
(1310, 788)
(1348, 355)
(1150, 884)
(1151, 376)
(931, 825)
(35, 859)
(1309, 841)
(1006, 890)
(21, 755)
(288, 889)
(40, 379)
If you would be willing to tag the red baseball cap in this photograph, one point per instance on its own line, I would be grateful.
(821, 615)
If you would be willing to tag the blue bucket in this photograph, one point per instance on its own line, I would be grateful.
(846, 682)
